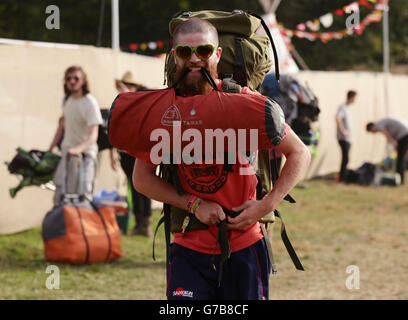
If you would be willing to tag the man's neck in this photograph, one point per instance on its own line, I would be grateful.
(76, 94)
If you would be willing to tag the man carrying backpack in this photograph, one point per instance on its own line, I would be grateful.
(193, 271)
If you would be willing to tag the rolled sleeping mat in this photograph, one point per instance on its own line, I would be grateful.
(139, 120)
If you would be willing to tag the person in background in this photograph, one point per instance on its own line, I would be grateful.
(141, 205)
(344, 136)
(78, 131)
(396, 132)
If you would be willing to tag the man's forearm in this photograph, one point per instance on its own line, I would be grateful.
(294, 169)
(57, 137)
(90, 139)
(341, 127)
(146, 182)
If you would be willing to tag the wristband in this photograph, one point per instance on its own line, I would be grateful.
(190, 202)
(195, 206)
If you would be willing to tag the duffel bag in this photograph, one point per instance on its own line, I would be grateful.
(80, 231)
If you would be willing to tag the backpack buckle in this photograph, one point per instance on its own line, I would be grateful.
(186, 14)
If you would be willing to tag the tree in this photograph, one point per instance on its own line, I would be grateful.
(144, 21)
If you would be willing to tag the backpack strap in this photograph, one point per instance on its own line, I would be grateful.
(229, 85)
(275, 52)
(275, 175)
(161, 221)
(268, 243)
(239, 63)
(288, 245)
(222, 239)
(208, 77)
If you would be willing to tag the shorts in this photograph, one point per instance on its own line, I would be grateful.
(191, 275)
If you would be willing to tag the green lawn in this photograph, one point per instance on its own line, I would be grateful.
(331, 226)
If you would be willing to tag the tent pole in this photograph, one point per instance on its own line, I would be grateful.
(386, 54)
(101, 20)
(299, 59)
(274, 6)
(115, 24)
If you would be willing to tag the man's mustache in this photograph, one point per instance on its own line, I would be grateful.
(194, 67)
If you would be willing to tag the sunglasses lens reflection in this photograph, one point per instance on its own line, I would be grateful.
(184, 52)
(204, 51)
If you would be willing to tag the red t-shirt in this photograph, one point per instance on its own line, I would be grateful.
(228, 188)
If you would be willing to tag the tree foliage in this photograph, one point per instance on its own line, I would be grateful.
(144, 21)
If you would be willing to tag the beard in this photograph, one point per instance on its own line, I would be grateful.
(191, 87)
(73, 90)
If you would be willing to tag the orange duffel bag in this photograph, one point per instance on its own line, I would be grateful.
(81, 231)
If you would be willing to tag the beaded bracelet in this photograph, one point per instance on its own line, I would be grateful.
(195, 206)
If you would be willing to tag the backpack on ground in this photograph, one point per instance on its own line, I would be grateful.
(34, 168)
(368, 174)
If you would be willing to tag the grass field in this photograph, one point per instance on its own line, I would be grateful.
(331, 227)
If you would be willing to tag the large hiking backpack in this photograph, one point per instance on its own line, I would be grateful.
(245, 56)
(296, 99)
(299, 104)
(368, 174)
(34, 167)
(244, 61)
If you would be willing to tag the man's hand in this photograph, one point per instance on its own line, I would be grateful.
(74, 152)
(113, 162)
(253, 210)
(210, 213)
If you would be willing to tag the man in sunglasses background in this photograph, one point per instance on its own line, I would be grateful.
(77, 133)
(190, 272)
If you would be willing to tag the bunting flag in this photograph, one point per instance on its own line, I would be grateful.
(326, 20)
(324, 37)
(313, 25)
(352, 7)
(151, 45)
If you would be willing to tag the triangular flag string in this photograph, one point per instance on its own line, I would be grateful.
(374, 16)
(325, 20)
